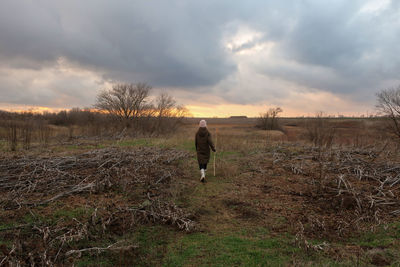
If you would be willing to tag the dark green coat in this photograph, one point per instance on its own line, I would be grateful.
(203, 143)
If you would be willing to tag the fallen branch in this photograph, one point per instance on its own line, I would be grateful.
(76, 189)
(99, 249)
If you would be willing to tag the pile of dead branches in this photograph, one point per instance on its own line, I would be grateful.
(167, 213)
(36, 181)
(46, 244)
(28, 182)
(356, 185)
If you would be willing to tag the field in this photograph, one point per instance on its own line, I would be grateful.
(278, 198)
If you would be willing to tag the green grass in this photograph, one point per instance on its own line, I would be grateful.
(246, 247)
(153, 242)
(205, 249)
(187, 145)
(380, 238)
(72, 213)
(6, 226)
(183, 144)
(3, 145)
(227, 154)
(88, 260)
(136, 142)
(30, 219)
(6, 242)
(59, 214)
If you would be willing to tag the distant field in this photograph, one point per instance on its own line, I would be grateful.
(222, 120)
(285, 121)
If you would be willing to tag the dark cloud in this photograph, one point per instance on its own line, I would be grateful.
(335, 46)
(170, 44)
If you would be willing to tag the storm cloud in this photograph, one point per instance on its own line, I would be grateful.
(60, 53)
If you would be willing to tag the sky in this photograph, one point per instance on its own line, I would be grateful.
(217, 57)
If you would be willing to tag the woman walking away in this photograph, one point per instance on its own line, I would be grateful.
(203, 143)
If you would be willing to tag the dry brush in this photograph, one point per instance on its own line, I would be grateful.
(143, 175)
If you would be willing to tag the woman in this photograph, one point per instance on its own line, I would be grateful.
(203, 143)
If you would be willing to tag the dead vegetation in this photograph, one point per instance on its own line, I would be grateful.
(269, 120)
(338, 192)
(100, 178)
(388, 103)
(320, 131)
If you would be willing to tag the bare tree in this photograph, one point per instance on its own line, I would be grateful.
(182, 112)
(12, 135)
(179, 114)
(164, 106)
(389, 105)
(165, 103)
(320, 131)
(27, 130)
(169, 114)
(269, 119)
(125, 101)
(44, 132)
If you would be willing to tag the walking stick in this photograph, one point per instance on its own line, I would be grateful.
(216, 140)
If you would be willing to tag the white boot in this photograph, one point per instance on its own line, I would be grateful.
(203, 175)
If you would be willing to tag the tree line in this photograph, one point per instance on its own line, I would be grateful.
(123, 110)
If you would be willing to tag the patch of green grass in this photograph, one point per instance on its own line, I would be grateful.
(202, 249)
(153, 242)
(61, 213)
(258, 232)
(6, 226)
(380, 238)
(3, 241)
(246, 247)
(187, 145)
(72, 213)
(100, 146)
(3, 145)
(88, 260)
(30, 219)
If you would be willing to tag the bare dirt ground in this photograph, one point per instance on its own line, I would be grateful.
(276, 200)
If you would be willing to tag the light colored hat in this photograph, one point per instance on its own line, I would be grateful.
(203, 123)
